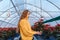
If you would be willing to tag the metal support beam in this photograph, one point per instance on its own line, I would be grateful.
(53, 4)
(41, 9)
(15, 7)
(7, 22)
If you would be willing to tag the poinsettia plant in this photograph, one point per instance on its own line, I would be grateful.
(5, 33)
(47, 29)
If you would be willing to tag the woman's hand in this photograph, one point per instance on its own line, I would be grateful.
(39, 33)
(17, 30)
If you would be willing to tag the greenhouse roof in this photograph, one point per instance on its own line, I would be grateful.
(10, 11)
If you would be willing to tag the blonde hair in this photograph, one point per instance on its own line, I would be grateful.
(24, 14)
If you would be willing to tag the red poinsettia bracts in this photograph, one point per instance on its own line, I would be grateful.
(7, 29)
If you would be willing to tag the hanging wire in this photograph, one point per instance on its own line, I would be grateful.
(41, 6)
(41, 10)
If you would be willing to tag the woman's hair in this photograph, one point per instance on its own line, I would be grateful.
(24, 14)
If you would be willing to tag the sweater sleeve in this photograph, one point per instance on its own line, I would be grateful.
(25, 28)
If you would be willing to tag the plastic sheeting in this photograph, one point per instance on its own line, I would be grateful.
(10, 11)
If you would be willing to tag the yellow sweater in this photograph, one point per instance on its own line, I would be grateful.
(25, 30)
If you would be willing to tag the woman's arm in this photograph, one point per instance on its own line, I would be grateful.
(26, 30)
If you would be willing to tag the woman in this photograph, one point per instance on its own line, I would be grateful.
(25, 28)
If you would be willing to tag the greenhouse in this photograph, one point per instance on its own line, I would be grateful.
(44, 16)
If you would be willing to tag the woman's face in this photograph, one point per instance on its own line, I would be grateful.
(28, 14)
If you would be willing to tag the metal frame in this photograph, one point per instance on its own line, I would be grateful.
(32, 11)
